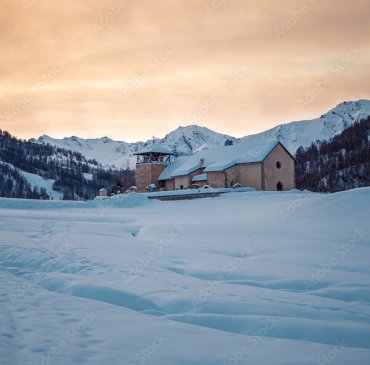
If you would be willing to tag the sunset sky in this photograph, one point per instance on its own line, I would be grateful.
(131, 69)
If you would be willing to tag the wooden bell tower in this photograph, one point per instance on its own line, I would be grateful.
(150, 164)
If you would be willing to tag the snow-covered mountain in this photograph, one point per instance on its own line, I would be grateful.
(187, 140)
(104, 150)
(33, 170)
(190, 139)
(183, 140)
(303, 133)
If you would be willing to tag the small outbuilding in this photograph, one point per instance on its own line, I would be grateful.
(103, 192)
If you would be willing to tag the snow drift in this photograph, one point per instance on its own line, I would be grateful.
(256, 277)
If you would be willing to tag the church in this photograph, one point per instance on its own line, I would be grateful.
(265, 165)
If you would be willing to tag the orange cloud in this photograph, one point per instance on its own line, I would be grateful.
(130, 69)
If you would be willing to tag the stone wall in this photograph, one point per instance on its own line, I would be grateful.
(186, 180)
(169, 184)
(216, 179)
(250, 175)
(182, 181)
(148, 173)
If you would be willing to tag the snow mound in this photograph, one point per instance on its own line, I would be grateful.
(130, 200)
(27, 204)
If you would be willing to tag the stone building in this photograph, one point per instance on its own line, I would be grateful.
(103, 192)
(263, 166)
(151, 162)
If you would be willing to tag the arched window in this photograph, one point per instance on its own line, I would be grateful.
(278, 164)
(279, 186)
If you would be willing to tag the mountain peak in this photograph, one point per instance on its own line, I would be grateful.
(362, 105)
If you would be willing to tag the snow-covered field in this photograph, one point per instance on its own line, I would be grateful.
(245, 278)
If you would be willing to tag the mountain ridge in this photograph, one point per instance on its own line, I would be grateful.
(189, 139)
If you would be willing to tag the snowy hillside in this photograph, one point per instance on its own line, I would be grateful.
(187, 140)
(104, 150)
(303, 133)
(33, 170)
(38, 182)
(283, 280)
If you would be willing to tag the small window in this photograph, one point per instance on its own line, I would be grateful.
(278, 164)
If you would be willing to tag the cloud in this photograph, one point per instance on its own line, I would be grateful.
(165, 57)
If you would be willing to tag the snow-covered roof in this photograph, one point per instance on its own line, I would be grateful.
(155, 148)
(220, 158)
(168, 172)
(200, 177)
